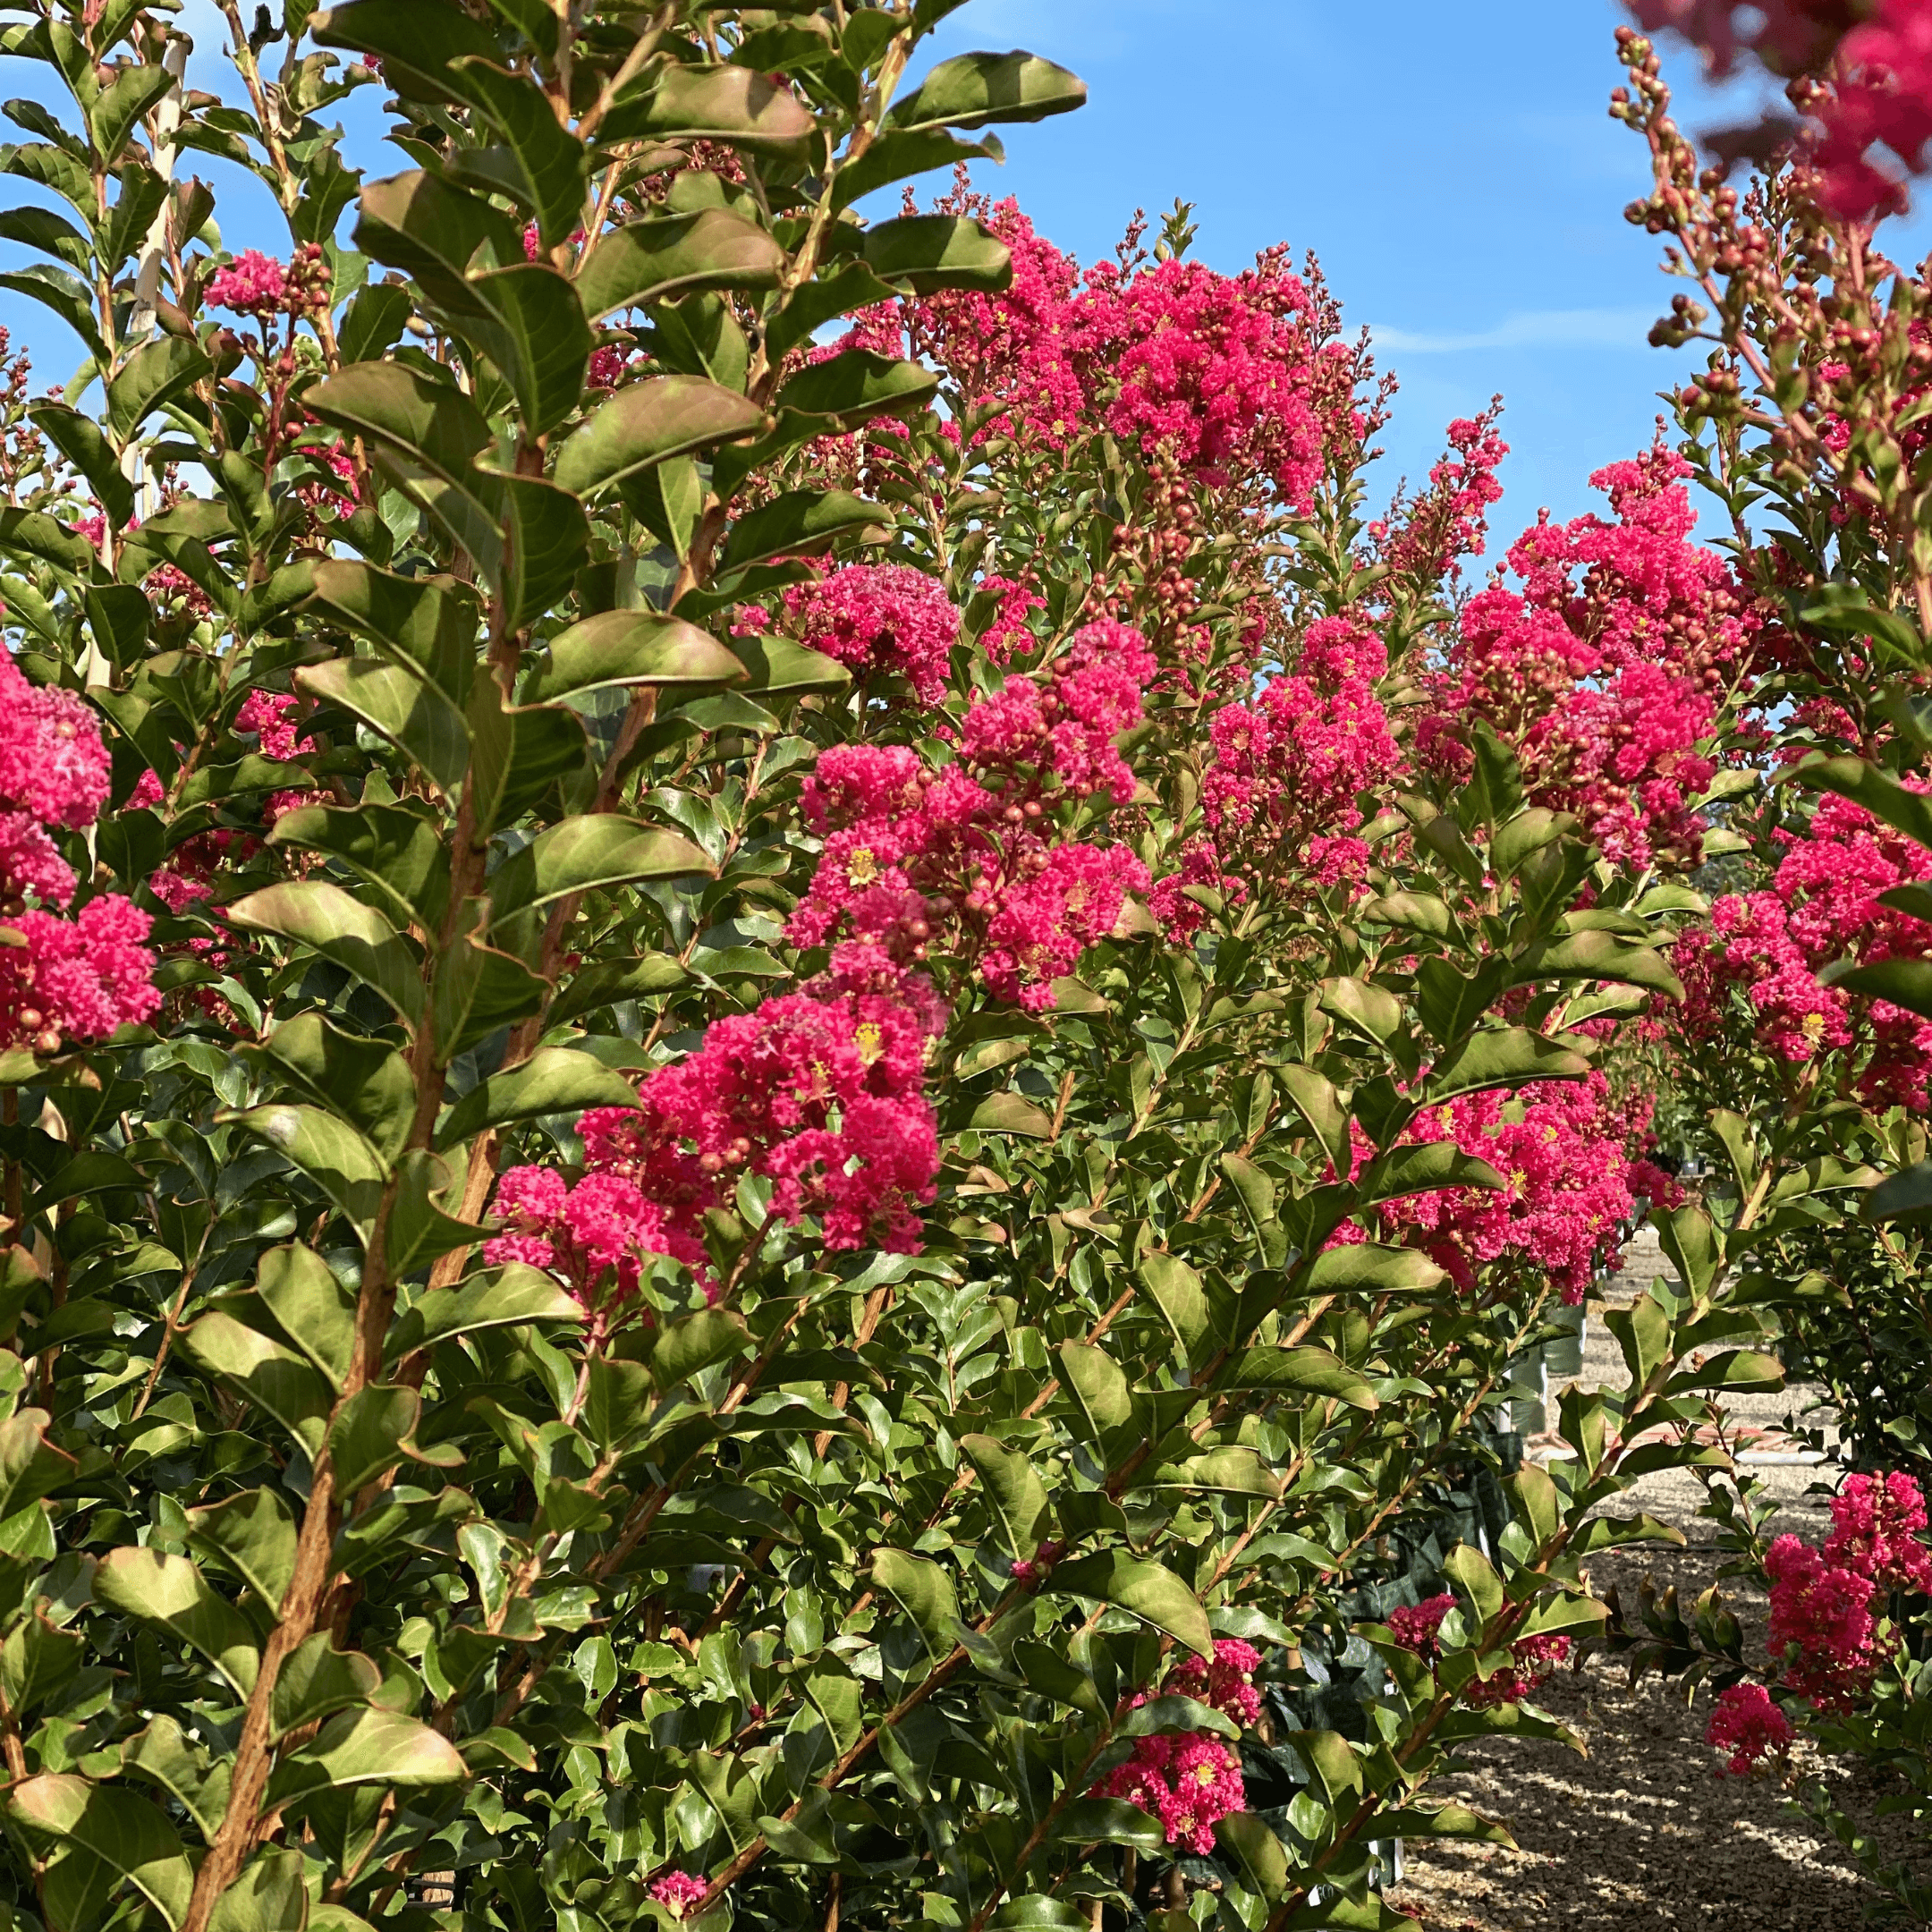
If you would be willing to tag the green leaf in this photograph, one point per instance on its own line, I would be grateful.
(640, 647)
(721, 104)
(162, 1754)
(1233, 1472)
(672, 255)
(1368, 1268)
(1256, 1851)
(317, 1681)
(1908, 1193)
(480, 990)
(798, 523)
(150, 379)
(928, 253)
(368, 1747)
(363, 1080)
(532, 326)
(517, 754)
(1110, 1821)
(646, 422)
(555, 1080)
(80, 440)
(1467, 1566)
(1301, 1371)
(549, 158)
(1099, 1385)
(897, 154)
(1417, 1170)
(1144, 1589)
(420, 1227)
(315, 1310)
(604, 985)
(430, 624)
(328, 1150)
(373, 1430)
(1010, 1113)
(973, 90)
(330, 922)
(1176, 1290)
(396, 852)
(269, 1896)
(1880, 794)
(112, 116)
(1904, 982)
(275, 1378)
(924, 1591)
(549, 537)
(508, 1297)
(1741, 1369)
(692, 1343)
(154, 1588)
(30, 1466)
(591, 852)
(1502, 1056)
(66, 295)
(776, 666)
(399, 706)
(856, 386)
(419, 48)
(435, 232)
(37, 1660)
(1315, 1098)
(255, 1532)
(103, 1835)
(1014, 1487)
(1602, 955)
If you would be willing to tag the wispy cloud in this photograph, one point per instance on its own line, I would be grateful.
(1529, 328)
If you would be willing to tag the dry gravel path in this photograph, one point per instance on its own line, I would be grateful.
(1641, 1832)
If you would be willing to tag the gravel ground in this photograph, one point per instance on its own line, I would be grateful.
(1641, 1832)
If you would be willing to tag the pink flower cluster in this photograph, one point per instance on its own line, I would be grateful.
(272, 717)
(82, 978)
(1748, 1726)
(1603, 673)
(1417, 1627)
(1825, 1603)
(591, 1235)
(60, 979)
(962, 856)
(1571, 1189)
(821, 1092)
(1239, 376)
(1421, 542)
(1280, 793)
(1882, 98)
(877, 619)
(678, 1892)
(1189, 1779)
(257, 284)
(1766, 949)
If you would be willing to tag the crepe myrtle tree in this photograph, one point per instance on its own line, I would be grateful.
(785, 1038)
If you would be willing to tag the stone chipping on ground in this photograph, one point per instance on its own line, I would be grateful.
(1642, 1833)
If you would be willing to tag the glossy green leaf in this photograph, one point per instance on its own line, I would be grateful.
(926, 253)
(314, 1310)
(1015, 1489)
(368, 1747)
(328, 1150)
(973, 90)
(553, 1080)
(275, 1378)
(395, 852)
(1301, 1371)
(419, 48)
(798, 523)
(367, 1082)
(399, 706)
(670, 255)
(255, 1532)
(641, 647)
(645, 422)
(550, 160)
(154, 1588)
(480, 989)
(1502, 1056)
(924, 1591)
(721, 104)
(104, 1835)
(1145, 1590)
(506, 1297)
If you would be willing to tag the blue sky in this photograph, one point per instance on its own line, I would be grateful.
(1455, 169)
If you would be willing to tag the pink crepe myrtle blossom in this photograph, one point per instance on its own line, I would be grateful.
(1189, 1780)
(593, 1236)
(257, 284)
(964, 858)
(82, 978)
(1417, 1628)
(1748, 1726)
(1823, 1628)
(53, 764)
(878, 618)
(679, 1892)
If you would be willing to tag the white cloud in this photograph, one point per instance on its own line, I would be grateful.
(1529, 328)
